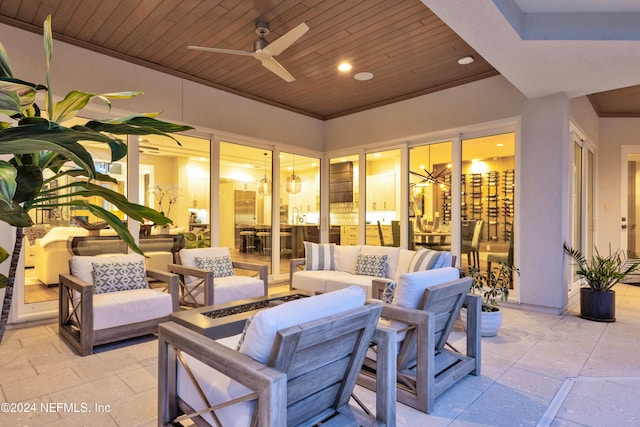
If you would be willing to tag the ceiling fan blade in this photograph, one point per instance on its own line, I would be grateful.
(418, 175)
(278, 46)
(218, 50)
(275, 67)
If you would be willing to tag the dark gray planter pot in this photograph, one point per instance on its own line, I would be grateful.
(597, 305)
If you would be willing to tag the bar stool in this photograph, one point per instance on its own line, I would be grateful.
(285, 237)
(264, 236)
(248, 241)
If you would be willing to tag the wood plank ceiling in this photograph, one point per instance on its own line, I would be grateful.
(408, 49)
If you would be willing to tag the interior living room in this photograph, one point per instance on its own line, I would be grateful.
(487, 128)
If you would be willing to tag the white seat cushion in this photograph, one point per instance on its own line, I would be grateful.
(316, 280)
(126, 307)
(363, 282)
(227, 289)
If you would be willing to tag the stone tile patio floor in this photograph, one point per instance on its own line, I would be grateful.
(542, 369)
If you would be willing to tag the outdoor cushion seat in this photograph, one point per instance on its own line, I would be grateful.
(267, 380)
(107, 298)
(218, 283)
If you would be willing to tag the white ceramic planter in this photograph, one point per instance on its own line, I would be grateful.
(490, 322)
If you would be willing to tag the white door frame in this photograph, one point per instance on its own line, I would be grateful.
(625, 151)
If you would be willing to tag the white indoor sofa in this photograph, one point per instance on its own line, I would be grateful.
(328, 267)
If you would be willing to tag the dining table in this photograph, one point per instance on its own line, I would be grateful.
(432, 238)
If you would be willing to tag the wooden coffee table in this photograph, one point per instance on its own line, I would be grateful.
(224, 320)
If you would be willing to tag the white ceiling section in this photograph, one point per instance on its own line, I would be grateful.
(544, 47)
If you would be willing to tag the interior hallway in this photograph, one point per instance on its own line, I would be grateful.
(542, 369)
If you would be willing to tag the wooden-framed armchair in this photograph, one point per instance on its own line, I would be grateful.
(108, 298)
(298, 366)
(208, 276)
(424, 309)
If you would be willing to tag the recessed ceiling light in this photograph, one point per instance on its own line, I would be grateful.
(365, 75)
(344, 67)
(465, 60)
(499, 145)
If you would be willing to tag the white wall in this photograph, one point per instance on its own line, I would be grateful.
(483, 101)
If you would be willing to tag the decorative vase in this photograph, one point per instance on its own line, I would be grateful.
(599, 306)
(490, 322)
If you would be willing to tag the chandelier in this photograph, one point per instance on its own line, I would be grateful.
(264, 185)
(294, 183)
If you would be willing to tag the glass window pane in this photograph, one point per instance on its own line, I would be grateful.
(487, 197)
(245, 202)
(299, 205)
(175, 180)
(383, 209)
(430, 196)
(343, 199)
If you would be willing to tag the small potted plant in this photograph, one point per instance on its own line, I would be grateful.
(493, 286)
(600, 274)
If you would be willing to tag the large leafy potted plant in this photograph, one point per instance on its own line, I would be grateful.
(492, 286)
(600, 274)
(37, 143)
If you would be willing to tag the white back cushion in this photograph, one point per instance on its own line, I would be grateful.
(404, 259)
(188, 256)
(82, 266)
(345, 257)
(411, 286)
(58, 234)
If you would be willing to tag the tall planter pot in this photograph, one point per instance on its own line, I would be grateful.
(490, 322)
(597, 305)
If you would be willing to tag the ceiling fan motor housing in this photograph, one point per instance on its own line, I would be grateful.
(262, 29)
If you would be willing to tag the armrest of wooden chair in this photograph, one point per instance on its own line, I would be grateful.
(295, 265)
(268, 384)
(206, 277)
(208, 280)
(473, 304)
(262, 269)
(75, 312)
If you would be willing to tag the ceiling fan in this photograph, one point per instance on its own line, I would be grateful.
(264, 51)
(434, 177)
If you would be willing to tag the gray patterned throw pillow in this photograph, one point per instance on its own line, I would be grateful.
(371, 265)
(222, 266)
(389, 290)
(118, 276)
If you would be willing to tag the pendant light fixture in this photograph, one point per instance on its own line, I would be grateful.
(264, 185)
(294, 183)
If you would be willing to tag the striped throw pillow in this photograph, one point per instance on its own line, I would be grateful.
(427, 259)
(320, 256)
